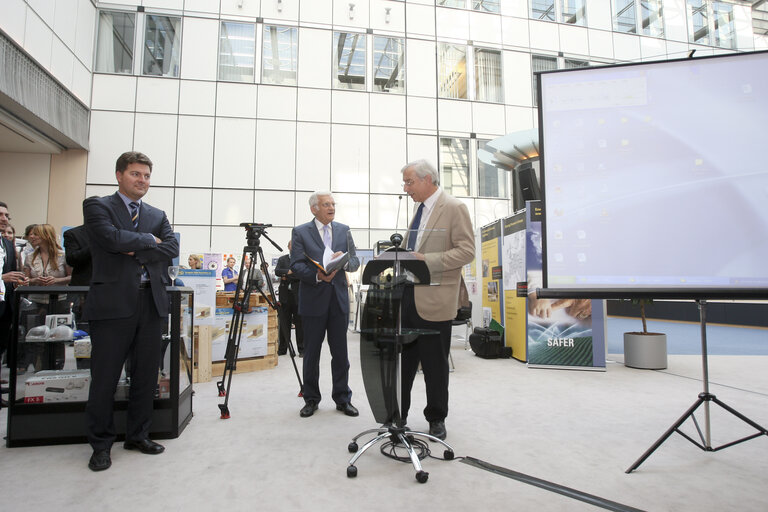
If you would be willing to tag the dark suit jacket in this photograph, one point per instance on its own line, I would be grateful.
(10, 264)
(116, 276)
(315, 298)
(281, 270)
(77, 249)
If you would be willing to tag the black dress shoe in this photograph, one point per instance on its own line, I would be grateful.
(144, 446)
(309, 409)
(348, 409)
(100, 460)
(437, 429)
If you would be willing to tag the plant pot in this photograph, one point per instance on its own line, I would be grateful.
(646, 351)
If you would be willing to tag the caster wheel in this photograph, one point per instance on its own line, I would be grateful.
(351, 471)
(448, 455)
(422, 477)
(352, 447)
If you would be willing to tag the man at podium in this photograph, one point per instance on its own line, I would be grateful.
(433, 307)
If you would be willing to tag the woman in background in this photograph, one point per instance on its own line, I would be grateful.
(195, 262)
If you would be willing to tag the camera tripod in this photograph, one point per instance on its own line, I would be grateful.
(247, 281)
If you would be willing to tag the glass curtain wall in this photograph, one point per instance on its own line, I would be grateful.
(723, 30)
(388, 64)
(452, 72)
(279, 56)
(488, 73)
(651, 13)
(698, 21)
(237, 51)
(541, 63)
(349, 61)
(162, 46)
(491, 181)
(114, 44)
(486, 5)
(454, 166)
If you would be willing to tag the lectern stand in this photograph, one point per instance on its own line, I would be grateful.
(381, 343)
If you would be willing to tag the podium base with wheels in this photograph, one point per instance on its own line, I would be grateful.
(398, 436)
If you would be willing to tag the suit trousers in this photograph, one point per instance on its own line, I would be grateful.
(289, 314)
(334, 321)
(137, 338)
(431, 350)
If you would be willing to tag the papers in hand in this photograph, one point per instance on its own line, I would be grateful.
(330, 262)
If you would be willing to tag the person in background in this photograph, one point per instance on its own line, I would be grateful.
(10, 233)
(229, 275)
(11, 277)
(27, 249)
(194, 262)
(288, 311)
(77, 248)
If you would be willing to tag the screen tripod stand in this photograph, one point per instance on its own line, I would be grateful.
(704, 398)
(246, 282)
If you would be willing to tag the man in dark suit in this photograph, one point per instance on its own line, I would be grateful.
(289, 305)
(132, 245)
(77, 249)
(12, 277)
(440, 234)
(323, 301)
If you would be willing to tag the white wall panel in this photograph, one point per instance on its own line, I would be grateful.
(114, 92)
(352, 210)
(231, 207)
(13, 14)
(422, 146)
(176, 5)
(194, 239)
(277, 102)
(62, 61)
(206, 6)
(313, 156)
(396, 16)
(361, 238)
(317, 11)
(275, 154)
(422, 113)
(289, 9)
(65, 21)
(194, 153)
(314, 105)
(384, 211)
(388, 155)
(197, 98)
(349, 107)
(518, 79)
(359, 18)
(626, 47)
(45, 9)
(155, 136)
(517, 8)
(600, 12)
(421, 19)
(274, 207)
(349, 158)
(160, 197)
(452, 23)
(652, 48)
(315, 58)
(84, 38)
(544, 35)
(303, 213)
(157, 95)
(454, 115)
(38, 39)
(234, 153)
(421, 68)
(675, 21)
(519, 118)
(488, 119)
(601, 44)
(484, 28)
(199, 49)
(81, 82)
(387, 109)
(488, 210)
(192, 206)
(111, 136)
(514, 32)
(236, 100)
(247, 8)
(229, 240)
(574, 40)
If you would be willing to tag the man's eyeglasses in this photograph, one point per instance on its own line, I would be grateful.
(327, 205)
(408, 183)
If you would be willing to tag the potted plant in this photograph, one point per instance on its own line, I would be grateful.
(646, 350)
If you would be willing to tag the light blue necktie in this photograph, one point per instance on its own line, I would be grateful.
(327, 236)
(413, 233)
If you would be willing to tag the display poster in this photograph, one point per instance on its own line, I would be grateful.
(203, 282)
(490, 239)
(514, 276)
(253, 337)
(561, 332)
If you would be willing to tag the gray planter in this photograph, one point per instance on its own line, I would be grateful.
(646, 351)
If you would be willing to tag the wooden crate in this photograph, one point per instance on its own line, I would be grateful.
(225, 299)
(251, 364)
(201, 343)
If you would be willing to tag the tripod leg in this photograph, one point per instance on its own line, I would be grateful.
(666, 435)
(292, 352)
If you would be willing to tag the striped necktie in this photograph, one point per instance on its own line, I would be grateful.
(134, 213)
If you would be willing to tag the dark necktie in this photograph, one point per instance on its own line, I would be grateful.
(134, 213)
(413, 233)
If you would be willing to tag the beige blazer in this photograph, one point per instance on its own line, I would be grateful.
(446, 249)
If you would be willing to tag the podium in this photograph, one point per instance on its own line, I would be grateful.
(381, 343)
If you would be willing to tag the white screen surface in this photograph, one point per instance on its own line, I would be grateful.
(656, 175)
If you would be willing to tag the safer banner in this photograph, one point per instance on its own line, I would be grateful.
(490, 238)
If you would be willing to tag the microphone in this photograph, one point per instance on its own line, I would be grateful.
(399, 202)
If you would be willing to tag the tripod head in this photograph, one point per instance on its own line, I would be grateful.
(254, 230)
